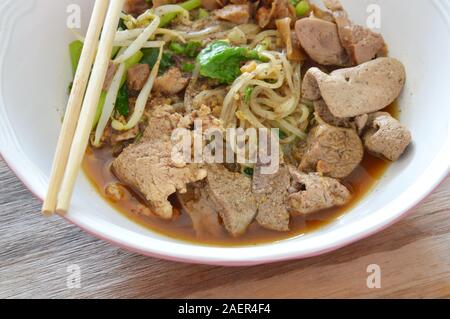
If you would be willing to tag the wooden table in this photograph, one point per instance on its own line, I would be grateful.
(35, 253)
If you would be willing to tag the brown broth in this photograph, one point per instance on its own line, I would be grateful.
(97, 164)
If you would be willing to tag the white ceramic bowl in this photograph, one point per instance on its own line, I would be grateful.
(35, 72)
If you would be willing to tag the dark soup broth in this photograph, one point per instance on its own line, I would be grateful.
(97, 166)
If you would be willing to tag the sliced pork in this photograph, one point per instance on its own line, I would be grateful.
(137, 76)
(361, 122)
(205, 217)
(271, 191)
(320, 40)
(211, 4)
(136, 7)
(323, 112)
(148, 166)
(332, 151)
(158, 3)
(312, 193)
(361, 44)
(272, 10)
(171, 82)
(386, 137)
(284, 29)
(363, 89)
(236, 13)
(232, 195)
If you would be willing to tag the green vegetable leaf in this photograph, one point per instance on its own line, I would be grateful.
(122, 102)
(248, 171)
(166, 62)
(151, 56)
(132, 61)
(221, 61)
(122, 25)
(75, 49)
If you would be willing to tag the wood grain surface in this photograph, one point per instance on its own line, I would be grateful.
(35, 253)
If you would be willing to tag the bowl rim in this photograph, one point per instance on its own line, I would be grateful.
(368, 230)
(437, 170)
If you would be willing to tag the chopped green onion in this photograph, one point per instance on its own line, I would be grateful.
(191, 4)
(302, 8)
(202, 13)
(188, 67)
(188, 5)
(248, 93)
(192, 49)
(177, 48)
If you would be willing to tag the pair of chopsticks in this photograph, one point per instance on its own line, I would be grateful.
(77, 124)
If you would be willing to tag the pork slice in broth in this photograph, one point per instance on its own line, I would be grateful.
(271, 191)
(311, 193)
(332, 151)
(320, 40)
(148, 166)
(361, 44)
(363, 89)
(204, 215)
(385, 136)
(231, 193)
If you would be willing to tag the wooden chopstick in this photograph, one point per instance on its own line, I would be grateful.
(83, 130)
(74, 105)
